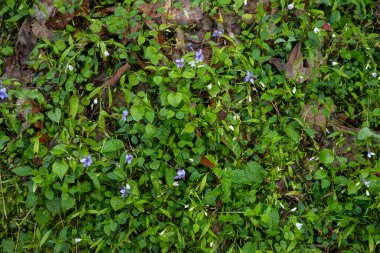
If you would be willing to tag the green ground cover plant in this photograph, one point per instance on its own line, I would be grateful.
(189, 126)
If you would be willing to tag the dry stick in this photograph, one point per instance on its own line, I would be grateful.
(116, 77)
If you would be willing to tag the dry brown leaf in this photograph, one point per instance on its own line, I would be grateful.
(60, 20)
(187, 14)
(41, 31)
(206, 162)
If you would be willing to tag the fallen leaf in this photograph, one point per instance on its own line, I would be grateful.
(326, 27)
(58, 21)
(206, 162)
(41, 31)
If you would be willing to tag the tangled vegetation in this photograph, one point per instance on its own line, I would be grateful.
(189, 126)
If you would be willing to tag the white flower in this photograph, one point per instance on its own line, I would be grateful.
(334, 63)
(192, 63)
(176, 183)
(299, 225)
(70, 67)
(95, 101)
(367, 193)
(77, 240)
(294, 90)
(186, 206)
(209, 86)
(374, 74)
(231, 127)
(316, 30)
(294, 209)
(370, 154)
(106, 54)
(211, 244)
(334, 35)
(249, 99)
(127, 186)
(291, 6)
(245, 2)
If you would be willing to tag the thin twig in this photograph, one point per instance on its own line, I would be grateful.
(116, 77)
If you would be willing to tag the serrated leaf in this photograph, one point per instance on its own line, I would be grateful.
(137, 112)
(68, 203)
(175, 99)
(60, 168)
(55, 115)
(118, 203)
(320, 174)
(326, 156)
(254, 172)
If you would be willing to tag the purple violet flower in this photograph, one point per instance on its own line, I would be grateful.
(125, 114)
(124, 190)
(3, 93)
(180, 173)
(129, 158)
(249, 77)
(180, 63)
(217, 34)
(198, 56)
(87, 161)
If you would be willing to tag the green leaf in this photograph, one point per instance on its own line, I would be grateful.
(226, 186)
(203, 183)
(352, 187)
(335, 17)
(189, 128)
(137, 112)
(326, 156)
(364, 133)
(157, 79)
(94, 178)
(74, 105)
(112, 146)
(68, 203)
(150, 130)
(175, 99)
(8, 245)
(141, 40)
(58, 149)
(254, 172)
(22, 170)
(166, 212)
(292, 133)
(149, 116)
(188, 74)
(44, 238)
(320, 174)
(118, 203)
(60, 168)
(55, 115)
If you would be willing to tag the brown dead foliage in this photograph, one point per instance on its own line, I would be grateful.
(295, 66)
